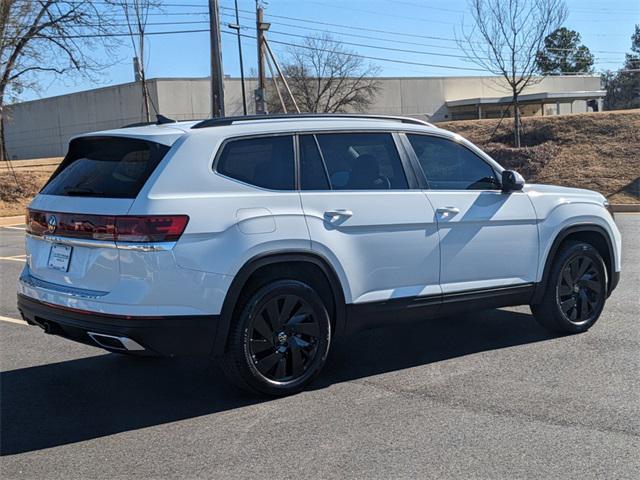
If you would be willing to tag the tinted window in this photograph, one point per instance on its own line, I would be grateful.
(265, 162)
(313, 175)
(451, 166)
(362, 161)
(113, 167)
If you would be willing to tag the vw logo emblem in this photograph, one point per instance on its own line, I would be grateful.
(52, 224)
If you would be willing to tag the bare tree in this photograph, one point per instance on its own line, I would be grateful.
(48, 36)
(136, 13)
(505, 38)
(324, 76)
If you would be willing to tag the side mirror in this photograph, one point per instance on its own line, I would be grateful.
(511, 181)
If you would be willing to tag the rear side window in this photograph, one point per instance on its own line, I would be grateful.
(313, 174)
(451, 166)
(112, 167)
(362, 161)
(266, 162)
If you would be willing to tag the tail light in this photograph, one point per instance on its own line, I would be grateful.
(122, 228)
(165, 228)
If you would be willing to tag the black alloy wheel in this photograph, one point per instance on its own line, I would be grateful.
(575, 291)
(280, 339)
(580, 289)
(283, 338)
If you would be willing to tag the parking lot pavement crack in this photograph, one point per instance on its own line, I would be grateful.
(488, 410)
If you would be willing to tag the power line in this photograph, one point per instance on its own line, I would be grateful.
(378, 38)
(350, 27)
(392, 49)
(405, 62)
(390, 32)
(308, 47)
(597, 11)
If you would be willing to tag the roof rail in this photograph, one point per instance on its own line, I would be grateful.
(223, 121)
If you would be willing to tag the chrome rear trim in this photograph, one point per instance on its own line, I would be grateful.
(146, 246)
(74, 242)
(91, 243)
(127, 343)
(34, 282)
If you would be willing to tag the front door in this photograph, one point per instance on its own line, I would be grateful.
(363, 215)
(488, 238)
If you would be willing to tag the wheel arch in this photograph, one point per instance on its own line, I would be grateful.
(268, 262)
(591, 233)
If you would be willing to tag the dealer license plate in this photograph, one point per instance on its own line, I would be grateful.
(59, 257)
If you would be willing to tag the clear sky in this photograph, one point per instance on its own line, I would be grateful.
(427, 27)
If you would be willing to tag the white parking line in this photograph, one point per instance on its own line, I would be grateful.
(13, 227)
(13, 320)
(15, 258)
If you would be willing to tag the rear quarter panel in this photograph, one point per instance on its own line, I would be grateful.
(229, 222)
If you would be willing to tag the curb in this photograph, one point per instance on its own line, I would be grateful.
(8, 221)
(625, 207)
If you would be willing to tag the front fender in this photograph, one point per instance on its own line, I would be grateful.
(577, 216)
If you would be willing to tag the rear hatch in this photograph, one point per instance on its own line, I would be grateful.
(73, 223)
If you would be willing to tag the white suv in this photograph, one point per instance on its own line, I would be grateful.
(260, 239)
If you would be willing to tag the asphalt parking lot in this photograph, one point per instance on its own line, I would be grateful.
(487, 395)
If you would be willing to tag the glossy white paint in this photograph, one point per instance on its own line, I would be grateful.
(490, 238)
(149, 284)
(560, 207)
(381, 244)
(387, 244)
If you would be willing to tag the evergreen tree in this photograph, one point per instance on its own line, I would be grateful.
(563, 53)
(623, 86)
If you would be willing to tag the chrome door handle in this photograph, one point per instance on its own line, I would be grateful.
(339, 212)
(448, 211)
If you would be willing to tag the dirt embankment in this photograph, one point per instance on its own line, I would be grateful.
(598, 151)
(20, 181)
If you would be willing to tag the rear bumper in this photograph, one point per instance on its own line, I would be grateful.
(167, 336)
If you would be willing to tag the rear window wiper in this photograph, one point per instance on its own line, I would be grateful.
(82, 191)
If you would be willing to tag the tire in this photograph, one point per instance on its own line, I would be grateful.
(280, 340)
(576, 290)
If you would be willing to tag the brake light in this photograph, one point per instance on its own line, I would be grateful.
(166, 228)
(123, 228)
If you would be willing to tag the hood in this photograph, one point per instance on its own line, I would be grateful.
(570, 192)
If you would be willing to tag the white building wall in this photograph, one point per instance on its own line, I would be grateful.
(42, 128)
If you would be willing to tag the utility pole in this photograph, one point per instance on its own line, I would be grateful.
(236, 27)
(217, 78)
(261, 27)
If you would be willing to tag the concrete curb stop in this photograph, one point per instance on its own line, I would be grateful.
(626, 207)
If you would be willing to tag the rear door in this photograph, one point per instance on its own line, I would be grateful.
(70, 229)
(487, 238)
(368, 216)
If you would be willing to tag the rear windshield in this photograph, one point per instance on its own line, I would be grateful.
(113, 167)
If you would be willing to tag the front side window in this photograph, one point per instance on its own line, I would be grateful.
(265, 162)
(447, 165)
(360, 161)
